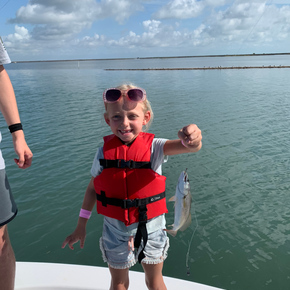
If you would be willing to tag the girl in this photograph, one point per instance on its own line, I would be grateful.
(128, 188)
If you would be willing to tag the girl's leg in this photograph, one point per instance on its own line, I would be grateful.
(153, 276)
(120, 279)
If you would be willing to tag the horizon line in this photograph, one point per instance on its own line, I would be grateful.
(155, 57)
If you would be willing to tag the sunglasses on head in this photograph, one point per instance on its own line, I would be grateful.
(113, 95)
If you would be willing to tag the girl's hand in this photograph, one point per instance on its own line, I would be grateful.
(189, 141)
(131, 243)
(190, 136)
(78, 235)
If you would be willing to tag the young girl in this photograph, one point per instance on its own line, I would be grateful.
(129, 189)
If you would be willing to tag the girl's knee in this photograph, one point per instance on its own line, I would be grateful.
(156, 283)
(119, 279)
(153, 276)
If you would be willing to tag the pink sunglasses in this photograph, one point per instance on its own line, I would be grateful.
(112, 95)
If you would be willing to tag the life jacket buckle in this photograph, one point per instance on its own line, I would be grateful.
(128, 203)
(126, 164)
(131, 164)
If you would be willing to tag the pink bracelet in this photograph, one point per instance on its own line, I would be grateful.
(85, 213)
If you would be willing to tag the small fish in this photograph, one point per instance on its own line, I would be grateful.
(182, 206)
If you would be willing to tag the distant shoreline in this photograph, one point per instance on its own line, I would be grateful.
(155, 57)
(199, 68)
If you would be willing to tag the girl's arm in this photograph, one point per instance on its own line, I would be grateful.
(189, 141)
(79, 233)
(90, 196)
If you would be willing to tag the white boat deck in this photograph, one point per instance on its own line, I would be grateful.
(51, 276)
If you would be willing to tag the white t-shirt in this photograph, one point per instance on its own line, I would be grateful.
(4, 59)
(157, 158)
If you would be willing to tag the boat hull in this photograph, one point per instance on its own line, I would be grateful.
(53, 276)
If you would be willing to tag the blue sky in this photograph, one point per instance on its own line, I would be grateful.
(81, 29)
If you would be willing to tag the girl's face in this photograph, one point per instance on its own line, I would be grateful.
(126, 119)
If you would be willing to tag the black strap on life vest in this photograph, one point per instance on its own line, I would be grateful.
(141, 203)
(141, 232)
(121, 163)
(128, 203)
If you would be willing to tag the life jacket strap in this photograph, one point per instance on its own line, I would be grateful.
(121, 163)
(141, 232)
(128, 203)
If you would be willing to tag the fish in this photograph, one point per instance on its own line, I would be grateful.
(182, 206)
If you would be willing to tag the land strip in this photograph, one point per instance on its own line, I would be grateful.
(157, 57)
(200, 68)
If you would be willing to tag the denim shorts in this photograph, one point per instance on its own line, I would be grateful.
(8, 208)
(115, 250)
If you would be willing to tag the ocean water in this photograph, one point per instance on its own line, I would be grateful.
(239, 179)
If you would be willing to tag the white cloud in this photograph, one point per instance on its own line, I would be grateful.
(95, 41)
(180, 9)
(19, 40)
(240, 23)
(184, 9)
(152, 26)
(155, 35)
(253, 22)
(57, 11)
(266, 2)
(120, 10)
(160, 35)
(75, 11)
(56, 19)
(21, 33)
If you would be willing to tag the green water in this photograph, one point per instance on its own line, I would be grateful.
(239, 180)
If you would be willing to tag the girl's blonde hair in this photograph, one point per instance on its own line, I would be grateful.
(146, 104)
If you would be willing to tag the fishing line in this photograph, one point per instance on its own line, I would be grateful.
(188, 250)
(267, 4)
(4, 5)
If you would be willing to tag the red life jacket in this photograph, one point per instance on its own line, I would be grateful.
(127, 181)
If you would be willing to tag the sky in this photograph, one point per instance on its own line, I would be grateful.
(98, 29)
